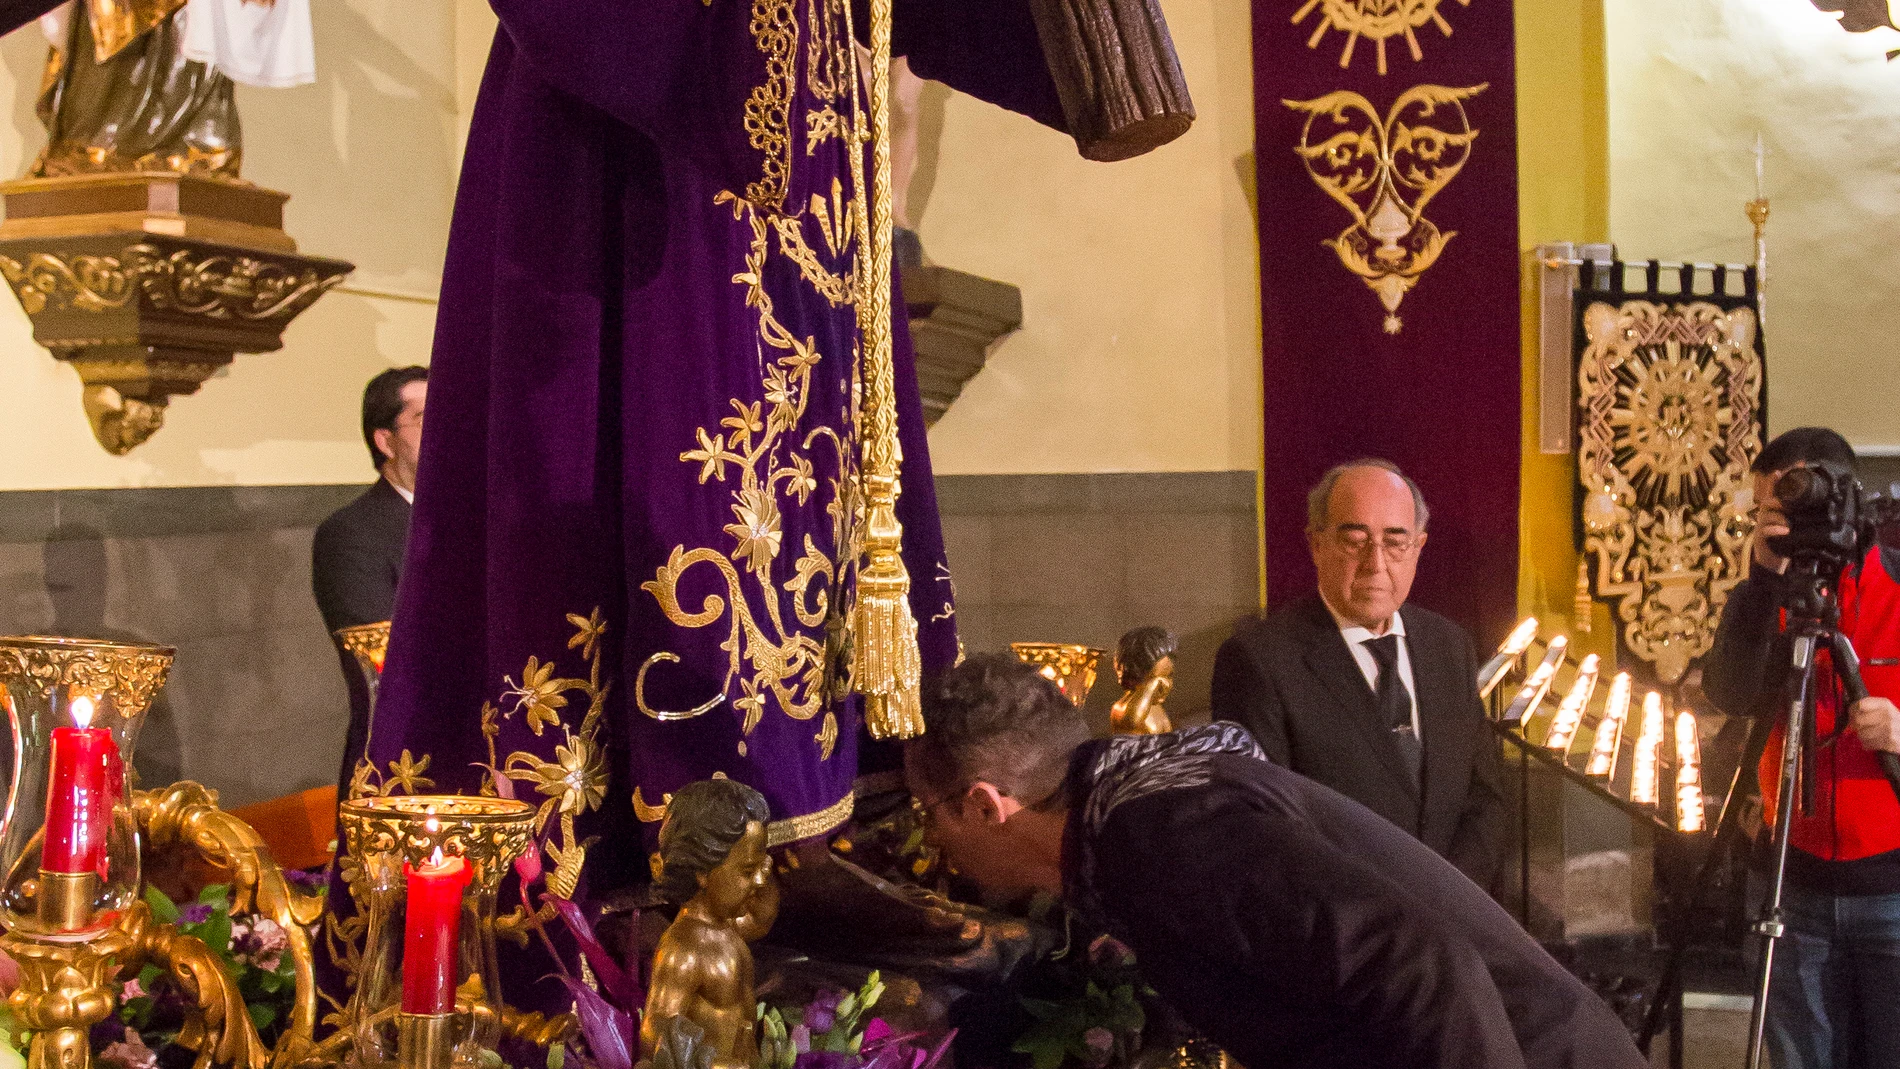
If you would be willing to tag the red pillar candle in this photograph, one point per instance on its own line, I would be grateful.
(79, 795)
(431, 928)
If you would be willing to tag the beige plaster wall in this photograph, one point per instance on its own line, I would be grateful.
(368, 154)
(1140, 348)
(1691, 83)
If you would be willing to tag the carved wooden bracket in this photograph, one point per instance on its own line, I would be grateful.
(149, 283)
(956, 318)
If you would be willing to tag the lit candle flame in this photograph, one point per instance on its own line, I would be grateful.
(1563, 728)
(432, 825)
(1643, 774)
(1689, 811)
(436, 860)
(1603, 752)
(1520, 637)
(1531, 694)
(1513, 647)
(82, 711)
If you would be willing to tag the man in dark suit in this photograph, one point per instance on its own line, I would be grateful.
(1372, 697)
(356, 558)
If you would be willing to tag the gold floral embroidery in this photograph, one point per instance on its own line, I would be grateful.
(821, 126)
(829, 57)
(760, 447)
(768, 108)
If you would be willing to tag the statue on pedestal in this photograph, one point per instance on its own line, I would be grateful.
(714, 863)
(1144, 666)
(147, 85)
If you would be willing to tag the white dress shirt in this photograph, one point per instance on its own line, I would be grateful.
(1356, 638)
(410, 496)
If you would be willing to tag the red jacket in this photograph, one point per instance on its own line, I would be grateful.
(1855, 812)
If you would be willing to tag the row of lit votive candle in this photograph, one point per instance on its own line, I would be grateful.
(1644, 774)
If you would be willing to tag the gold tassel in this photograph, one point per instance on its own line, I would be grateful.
(886, 667)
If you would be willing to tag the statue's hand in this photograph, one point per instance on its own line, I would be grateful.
(761, 912)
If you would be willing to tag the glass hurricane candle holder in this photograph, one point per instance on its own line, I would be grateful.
(69, 844)
(425, 870)
(1069, 666)
(369, 644)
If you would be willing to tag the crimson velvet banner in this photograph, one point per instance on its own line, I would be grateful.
(1386, 148)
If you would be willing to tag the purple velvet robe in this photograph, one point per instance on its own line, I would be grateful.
(640, 415)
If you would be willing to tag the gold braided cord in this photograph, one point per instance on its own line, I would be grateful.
(886, 666)
(810, 825)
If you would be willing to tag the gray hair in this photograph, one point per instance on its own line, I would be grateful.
(1321, 494)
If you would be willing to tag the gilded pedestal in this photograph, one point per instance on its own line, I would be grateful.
(149, 282)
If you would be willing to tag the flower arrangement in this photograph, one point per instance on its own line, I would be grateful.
(253, 951)
(1095, 1018)
(835, 1031)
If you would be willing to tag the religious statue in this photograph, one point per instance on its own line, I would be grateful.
(713, 863)
(660, 528)
(144, 85)
(1144, 666)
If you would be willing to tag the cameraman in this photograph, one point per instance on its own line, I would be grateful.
(1832, 1002)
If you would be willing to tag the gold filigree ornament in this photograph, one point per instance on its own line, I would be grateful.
(1380, 20)
(1669, 404)
(1384, 171)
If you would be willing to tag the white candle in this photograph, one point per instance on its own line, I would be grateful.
(1689, 812)
(1563, 728)
(1603, 751)
(1643, 773)
(1759, 153)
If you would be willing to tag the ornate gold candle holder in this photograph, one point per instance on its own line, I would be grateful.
(1070, 666)
(384, 837)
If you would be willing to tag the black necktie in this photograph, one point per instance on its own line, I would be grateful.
(1395, 702)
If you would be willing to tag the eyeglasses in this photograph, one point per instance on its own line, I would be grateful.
(1356, 541)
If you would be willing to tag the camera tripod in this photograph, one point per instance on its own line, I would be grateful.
(1813, 617)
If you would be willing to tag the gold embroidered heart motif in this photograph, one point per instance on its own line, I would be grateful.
(1385, 171)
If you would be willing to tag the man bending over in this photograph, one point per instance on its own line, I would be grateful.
(1291, 925)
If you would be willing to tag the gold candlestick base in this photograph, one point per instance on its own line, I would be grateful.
(66, 898)
(425, 1040)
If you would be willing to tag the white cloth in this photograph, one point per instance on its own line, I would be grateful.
(54, 24)
(407, 494)
(1356, 638)
(269, 46)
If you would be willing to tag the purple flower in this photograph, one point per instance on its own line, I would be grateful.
(825, 1059)
(1107, 950)
(131, 990)
(309, 879)
(196, 913)
(1100, 1045)
(801, 1039)
(131, 1053)
(823, 1011)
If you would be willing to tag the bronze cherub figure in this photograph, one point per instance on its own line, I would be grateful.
(713, 861)
(1144, 666)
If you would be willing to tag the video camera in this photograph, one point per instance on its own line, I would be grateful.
(1832, 521)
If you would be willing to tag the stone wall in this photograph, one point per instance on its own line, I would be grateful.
(256, 706)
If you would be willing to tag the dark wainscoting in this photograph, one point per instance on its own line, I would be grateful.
(256, 707)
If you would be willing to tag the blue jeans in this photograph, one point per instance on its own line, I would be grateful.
(1834, 1002)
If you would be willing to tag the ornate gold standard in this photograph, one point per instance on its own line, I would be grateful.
(1668, 402)
(1384, 171)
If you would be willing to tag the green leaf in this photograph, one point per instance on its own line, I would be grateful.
(162, 906)
(557, 1056)
(262, 1014)
(215, 895)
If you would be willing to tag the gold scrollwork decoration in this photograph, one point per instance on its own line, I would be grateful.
(127, 674)
(86, 283)
(1669, 403)
(768, 108)
(1377, 20)
(487, 832)
(213, 285)
(220, 286)
(186, 816)
(1384, 171)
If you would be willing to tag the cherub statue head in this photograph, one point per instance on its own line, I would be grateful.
(712, 847)
(1144, 652)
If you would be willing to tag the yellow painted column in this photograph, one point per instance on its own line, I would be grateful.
(1563, 161)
